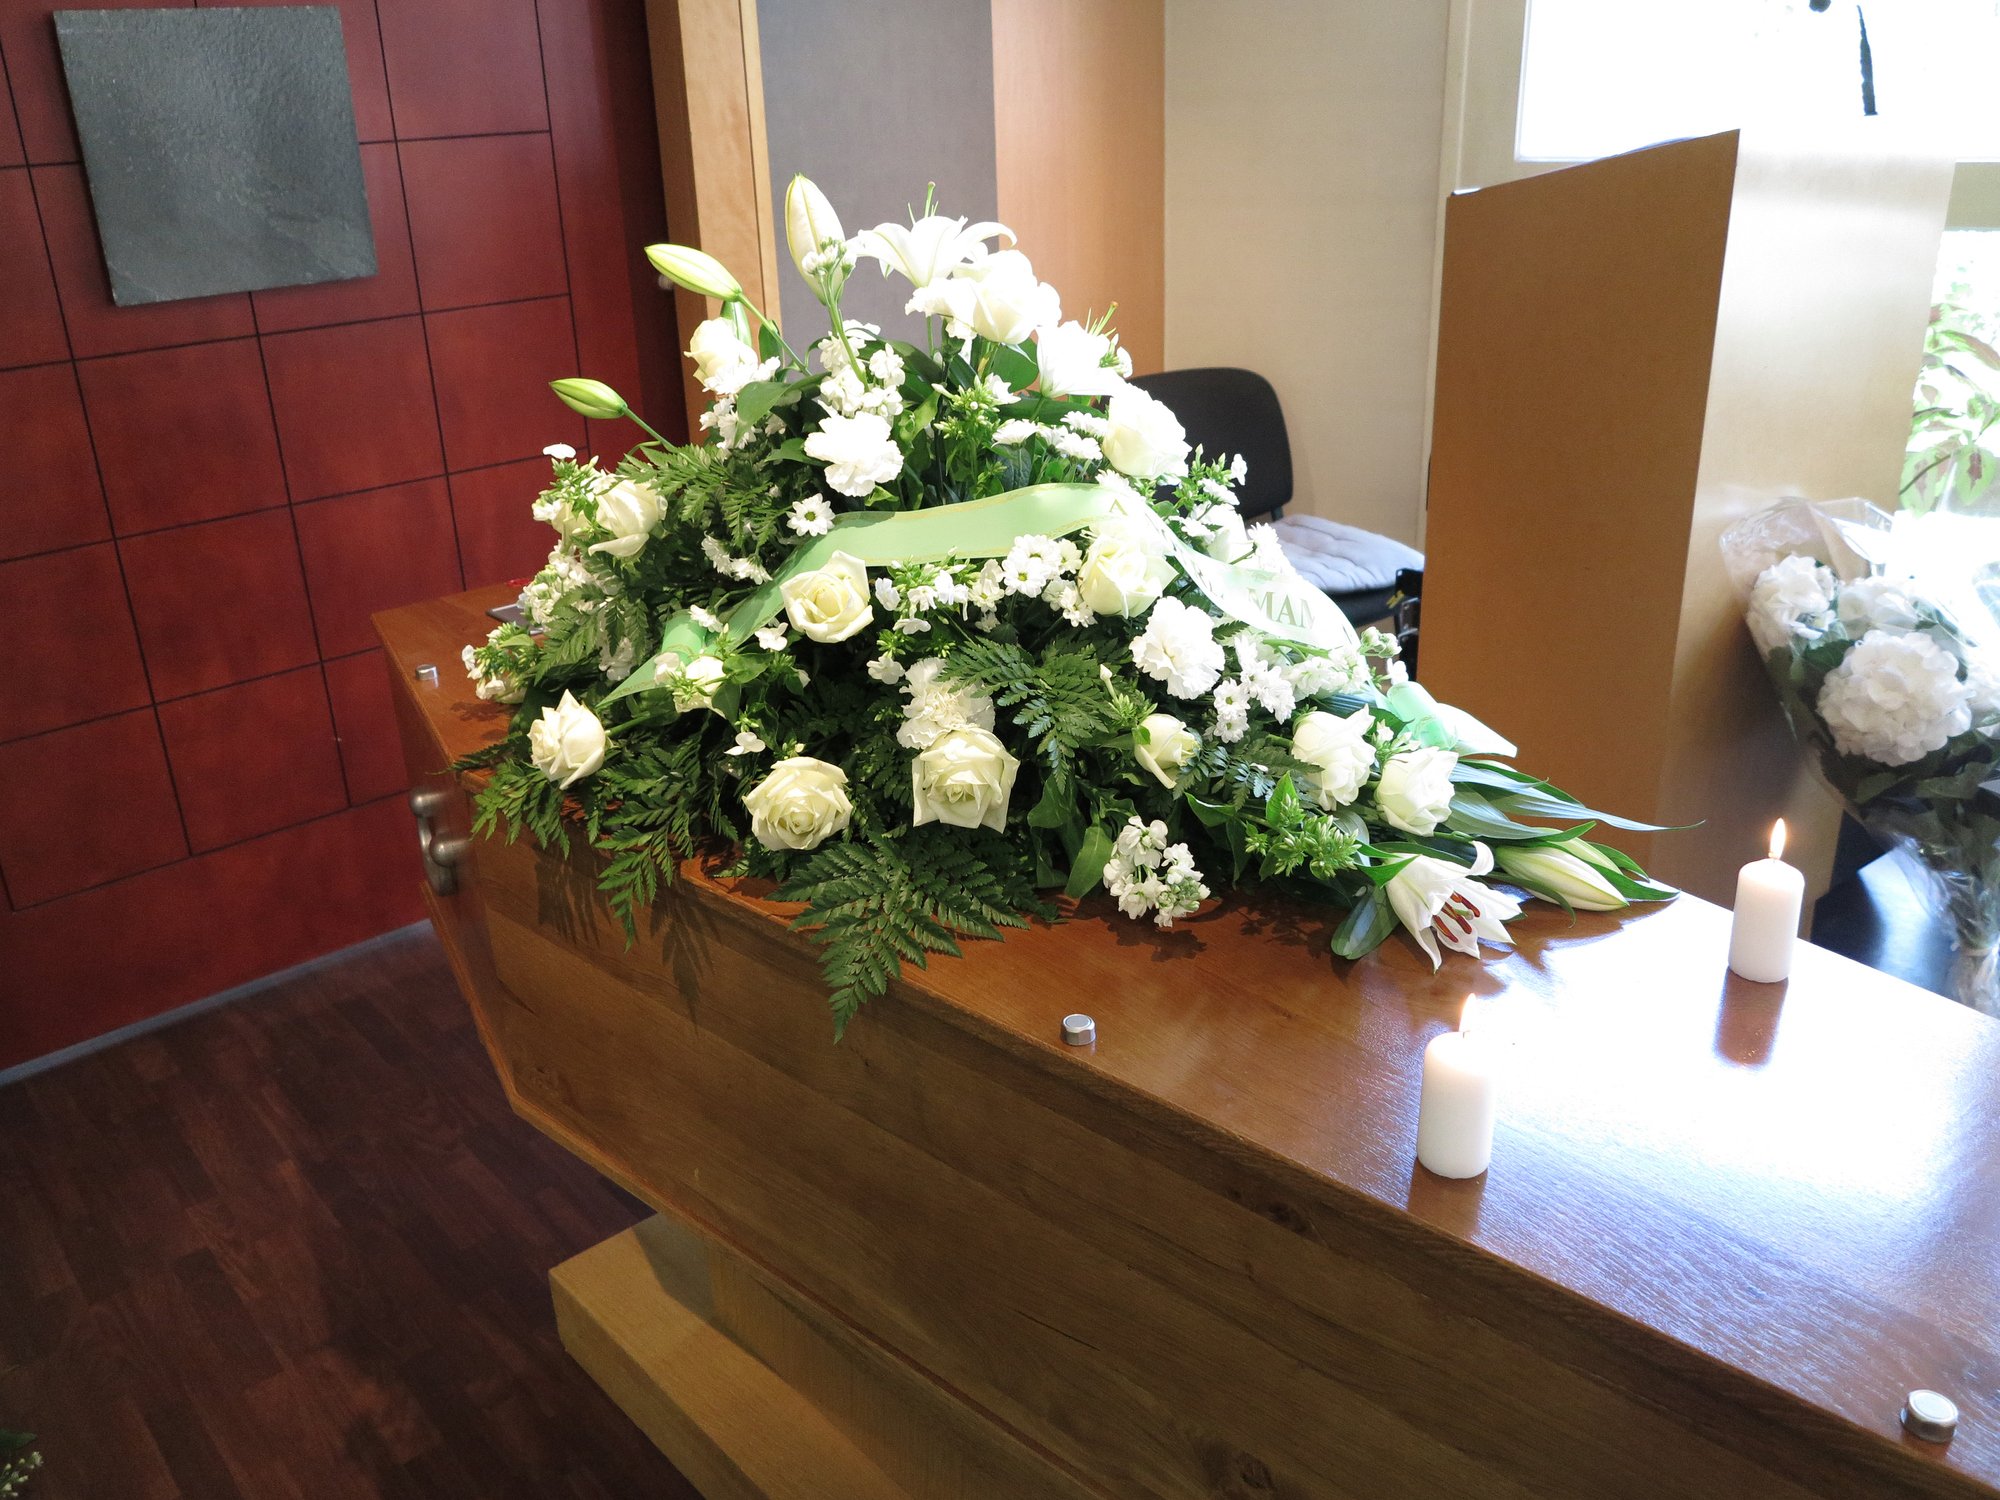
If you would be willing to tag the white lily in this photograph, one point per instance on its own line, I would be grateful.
(930, 249)
(1562, 875)
(811, 226)
(1436, 898)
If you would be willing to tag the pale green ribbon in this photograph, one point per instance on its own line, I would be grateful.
(1282, 604)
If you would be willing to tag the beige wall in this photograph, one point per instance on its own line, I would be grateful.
(1302, 212)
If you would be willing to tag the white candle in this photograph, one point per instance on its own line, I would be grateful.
(1769, 893)
(1455, 1115)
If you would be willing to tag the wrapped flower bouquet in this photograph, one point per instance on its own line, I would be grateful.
(1883, 638)
(926, 632)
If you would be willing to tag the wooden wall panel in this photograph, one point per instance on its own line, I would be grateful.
(1632, 354)
(1079, 97)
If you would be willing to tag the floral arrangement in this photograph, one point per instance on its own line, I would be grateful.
(1883, 638)
(927, 632)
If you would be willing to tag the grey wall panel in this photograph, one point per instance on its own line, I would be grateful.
(873, 99)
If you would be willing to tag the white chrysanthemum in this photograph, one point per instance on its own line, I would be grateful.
(1178, 647)
(811, 516)
(936, 708)
(1894, 698)
(1794, 593)
(1016, 430)
(1877, 604)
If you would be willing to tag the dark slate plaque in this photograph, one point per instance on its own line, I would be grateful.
(220, 147)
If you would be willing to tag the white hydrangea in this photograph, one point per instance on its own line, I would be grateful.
(1179, 648)
(1795, 593)
(1146, 873)
(1876, 604)
(936, 707)
(1894, 698)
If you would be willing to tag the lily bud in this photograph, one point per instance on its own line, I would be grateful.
(1554, 871)
(809, 223)
(694, 269)
(590, 398)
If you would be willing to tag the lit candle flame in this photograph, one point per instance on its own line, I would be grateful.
(1778, 839)
(1465, 1017)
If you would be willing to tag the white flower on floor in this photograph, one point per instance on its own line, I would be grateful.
(859, 452)
(1877, 604)
(831, 603)
(747, 743)
(1163, 747)
(1179, 648)
(1414, 793)
(1794, 594)
(965, 779)
(812, 516)
(1894, 698)
(1336, 746)
(1437, 899)
(936, 707)
(567, 742)
(1146, 440)
(1146, 873)
(800, 805)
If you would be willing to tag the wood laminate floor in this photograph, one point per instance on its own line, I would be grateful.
(297, 1247)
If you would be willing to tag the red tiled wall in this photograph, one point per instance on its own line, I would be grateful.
(202, 502)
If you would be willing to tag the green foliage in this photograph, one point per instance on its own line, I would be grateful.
(876, 904)
(1060, 701)
(1294, 837)
(17, 1462)
(1953, 457)
(521, 797)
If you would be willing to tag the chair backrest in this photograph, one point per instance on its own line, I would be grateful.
(1233, 411)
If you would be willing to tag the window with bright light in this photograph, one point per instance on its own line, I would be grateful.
(1603, 76)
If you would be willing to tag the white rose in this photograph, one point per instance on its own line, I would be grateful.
(1228, 540)
(1071, 359)
(1146, 439)
(964, 779)
(830, 603)
(859, 452)
(1124, 571)
(1895, 698)
(1795, 593)
(567, 742)
(628, 510)
(1877, 603)
(1007, 302)
(700, 681)
(800, 805)
(1165, 748)
(1337, 747)
(1414, 793)
(723, 362)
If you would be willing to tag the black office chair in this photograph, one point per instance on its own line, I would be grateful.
(1234, 411)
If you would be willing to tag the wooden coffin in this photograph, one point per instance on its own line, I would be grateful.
(1727, 1227)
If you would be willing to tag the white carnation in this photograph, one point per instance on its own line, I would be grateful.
(1895, 698)
(859, 452)
(936, 707)
(1178, 647)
